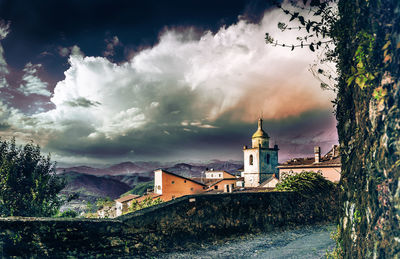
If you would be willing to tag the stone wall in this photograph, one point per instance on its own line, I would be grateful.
(183, 223)
(368, 117)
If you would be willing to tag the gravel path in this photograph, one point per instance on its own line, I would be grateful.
(303, 242)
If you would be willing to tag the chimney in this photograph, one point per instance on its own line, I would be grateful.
(334, 151)
(317, 154)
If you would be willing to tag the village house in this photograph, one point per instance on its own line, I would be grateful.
(122, 204)
(260, 172)
(328, 165)
(107, 211)
(170, 186)
(270, 182)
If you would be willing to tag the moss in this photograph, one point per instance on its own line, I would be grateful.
(162, 227)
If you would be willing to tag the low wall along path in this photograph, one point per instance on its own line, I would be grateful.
(180, 224)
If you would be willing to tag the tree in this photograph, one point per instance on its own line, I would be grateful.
(28, 184)
(366, 34)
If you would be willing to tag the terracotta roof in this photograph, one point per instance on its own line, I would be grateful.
(205, 181)
(225, 179)
(328, 160)
(219, 171)
(211, 182)
(127, 198)
(177, 175)
(268, 180)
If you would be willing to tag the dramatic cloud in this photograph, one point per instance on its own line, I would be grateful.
(32, 83)
(4, 30)
(189, 89)
(66, 51)
(111, 45)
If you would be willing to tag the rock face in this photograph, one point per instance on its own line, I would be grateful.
(369, 128)
(177, 225)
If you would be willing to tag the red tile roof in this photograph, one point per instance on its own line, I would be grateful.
(328, 160)
(188, 179)
(127, 198)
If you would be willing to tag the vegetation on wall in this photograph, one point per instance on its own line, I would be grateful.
(147, 202)
(28, 184)
(366, 37)
(306, 183)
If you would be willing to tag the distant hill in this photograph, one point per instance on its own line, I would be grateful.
(146, 169)
(117, 169)
(134, 177)
(90, 187)
(195, 170)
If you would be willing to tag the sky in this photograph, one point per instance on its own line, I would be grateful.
(101, 82)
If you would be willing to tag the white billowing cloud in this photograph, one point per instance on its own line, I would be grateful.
(4, 31)
(32, 83)
(185, 81)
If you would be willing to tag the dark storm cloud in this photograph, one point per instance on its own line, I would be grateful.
(184, 87)
(47, 22)
(225, 141)
(82, 102)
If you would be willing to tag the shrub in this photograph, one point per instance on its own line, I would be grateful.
(28, 183)
(306, 183)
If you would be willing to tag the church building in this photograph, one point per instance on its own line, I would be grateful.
(260, 161)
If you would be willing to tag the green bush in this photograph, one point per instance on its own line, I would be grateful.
(28, 183)
(68, 214)
(148, 202)
(306, 183)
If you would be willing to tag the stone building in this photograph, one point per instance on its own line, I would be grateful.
(122, 204)
(260, 161)
(170, 186)
(328, 165)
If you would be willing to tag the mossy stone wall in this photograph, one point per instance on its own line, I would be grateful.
(180, 224)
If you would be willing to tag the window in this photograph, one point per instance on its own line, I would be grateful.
(173, 182)
(184, 181)
(220, 175)
(251, 160)
(216, 187)
(191, 189)
(159, 187)
(268, 157)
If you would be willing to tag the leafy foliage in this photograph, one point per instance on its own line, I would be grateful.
(305, 183)
(68, 214)
(148, 202)
(28, 184)
(316, 19)
(140, 188)
(367, 55)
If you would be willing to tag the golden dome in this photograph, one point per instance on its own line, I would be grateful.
(260, 133)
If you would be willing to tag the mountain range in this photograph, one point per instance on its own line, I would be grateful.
(92, 183)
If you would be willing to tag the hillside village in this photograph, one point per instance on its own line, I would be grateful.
(261, 172)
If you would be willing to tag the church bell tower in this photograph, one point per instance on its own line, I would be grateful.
(260, 161)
